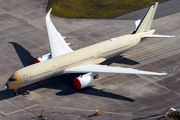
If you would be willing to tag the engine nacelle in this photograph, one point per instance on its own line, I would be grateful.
(42, 58)
(83, 81)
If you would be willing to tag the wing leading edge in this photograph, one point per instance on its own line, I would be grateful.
(109, 69)
(58, 46)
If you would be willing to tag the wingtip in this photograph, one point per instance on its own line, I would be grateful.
(172, 70)
(48, 14)
(156, 3)
(171, 36)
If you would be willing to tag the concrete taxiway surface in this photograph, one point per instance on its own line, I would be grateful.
(23, 37)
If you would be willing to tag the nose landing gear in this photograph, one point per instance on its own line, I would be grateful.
(16, 92)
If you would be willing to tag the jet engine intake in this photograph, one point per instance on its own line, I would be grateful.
(84, 80)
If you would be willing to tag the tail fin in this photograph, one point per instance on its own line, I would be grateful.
(146, 21)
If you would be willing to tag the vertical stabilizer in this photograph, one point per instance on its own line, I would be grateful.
(146, 21)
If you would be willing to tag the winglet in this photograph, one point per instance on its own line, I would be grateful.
(48, 14)
(58, 45)
(172, 70)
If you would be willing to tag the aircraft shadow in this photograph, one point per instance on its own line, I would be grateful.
(70, 89)
(91, 91)
(25, 57)
(65, 84)
(119, 60)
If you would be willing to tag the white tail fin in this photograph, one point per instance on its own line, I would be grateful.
(145, 24)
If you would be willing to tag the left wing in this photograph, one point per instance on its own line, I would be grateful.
(109, 69)
(58, 46)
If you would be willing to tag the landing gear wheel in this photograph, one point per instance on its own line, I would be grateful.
(96, 76)
(16, 93)
(28, 92)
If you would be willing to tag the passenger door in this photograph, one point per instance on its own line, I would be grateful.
(25, 78)
(98, 54)
(54, 69)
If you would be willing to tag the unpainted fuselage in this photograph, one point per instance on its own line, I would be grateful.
(93, 54)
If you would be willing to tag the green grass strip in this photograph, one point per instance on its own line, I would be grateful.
(96, 9)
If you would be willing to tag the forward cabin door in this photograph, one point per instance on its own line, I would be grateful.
(54, 69)
(25, 78)
(98, 54)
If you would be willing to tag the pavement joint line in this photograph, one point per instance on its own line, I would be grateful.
(159, 84)
(161, 53)
(154, 82)
(148, 47)
(176, 78)
(147, 53)
(83, 43)
(90, 37)
(22, 18)
(153, 50)
(68, 108)
(15, 106)
(151, 82)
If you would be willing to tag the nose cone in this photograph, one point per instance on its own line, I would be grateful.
(14, 81)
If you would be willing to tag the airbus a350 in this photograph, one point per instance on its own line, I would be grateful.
(63, 60)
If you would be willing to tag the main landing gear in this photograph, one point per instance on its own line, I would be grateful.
(96, 76)
(16, 92)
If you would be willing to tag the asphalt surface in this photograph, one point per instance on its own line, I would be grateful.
(23, 37)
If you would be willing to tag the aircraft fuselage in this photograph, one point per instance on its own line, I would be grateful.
(93, 54)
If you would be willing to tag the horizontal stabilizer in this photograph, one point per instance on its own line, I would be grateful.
(109, 69)
(157, 36)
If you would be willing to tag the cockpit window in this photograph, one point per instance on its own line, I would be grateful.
(11, 79)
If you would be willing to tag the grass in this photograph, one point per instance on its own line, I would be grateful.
(96, 9)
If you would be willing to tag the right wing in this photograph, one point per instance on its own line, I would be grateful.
(109, 69)
(58, 46)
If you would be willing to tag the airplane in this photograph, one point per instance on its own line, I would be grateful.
(63, 60)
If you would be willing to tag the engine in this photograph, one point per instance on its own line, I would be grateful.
(42, 58)
(85, 80)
